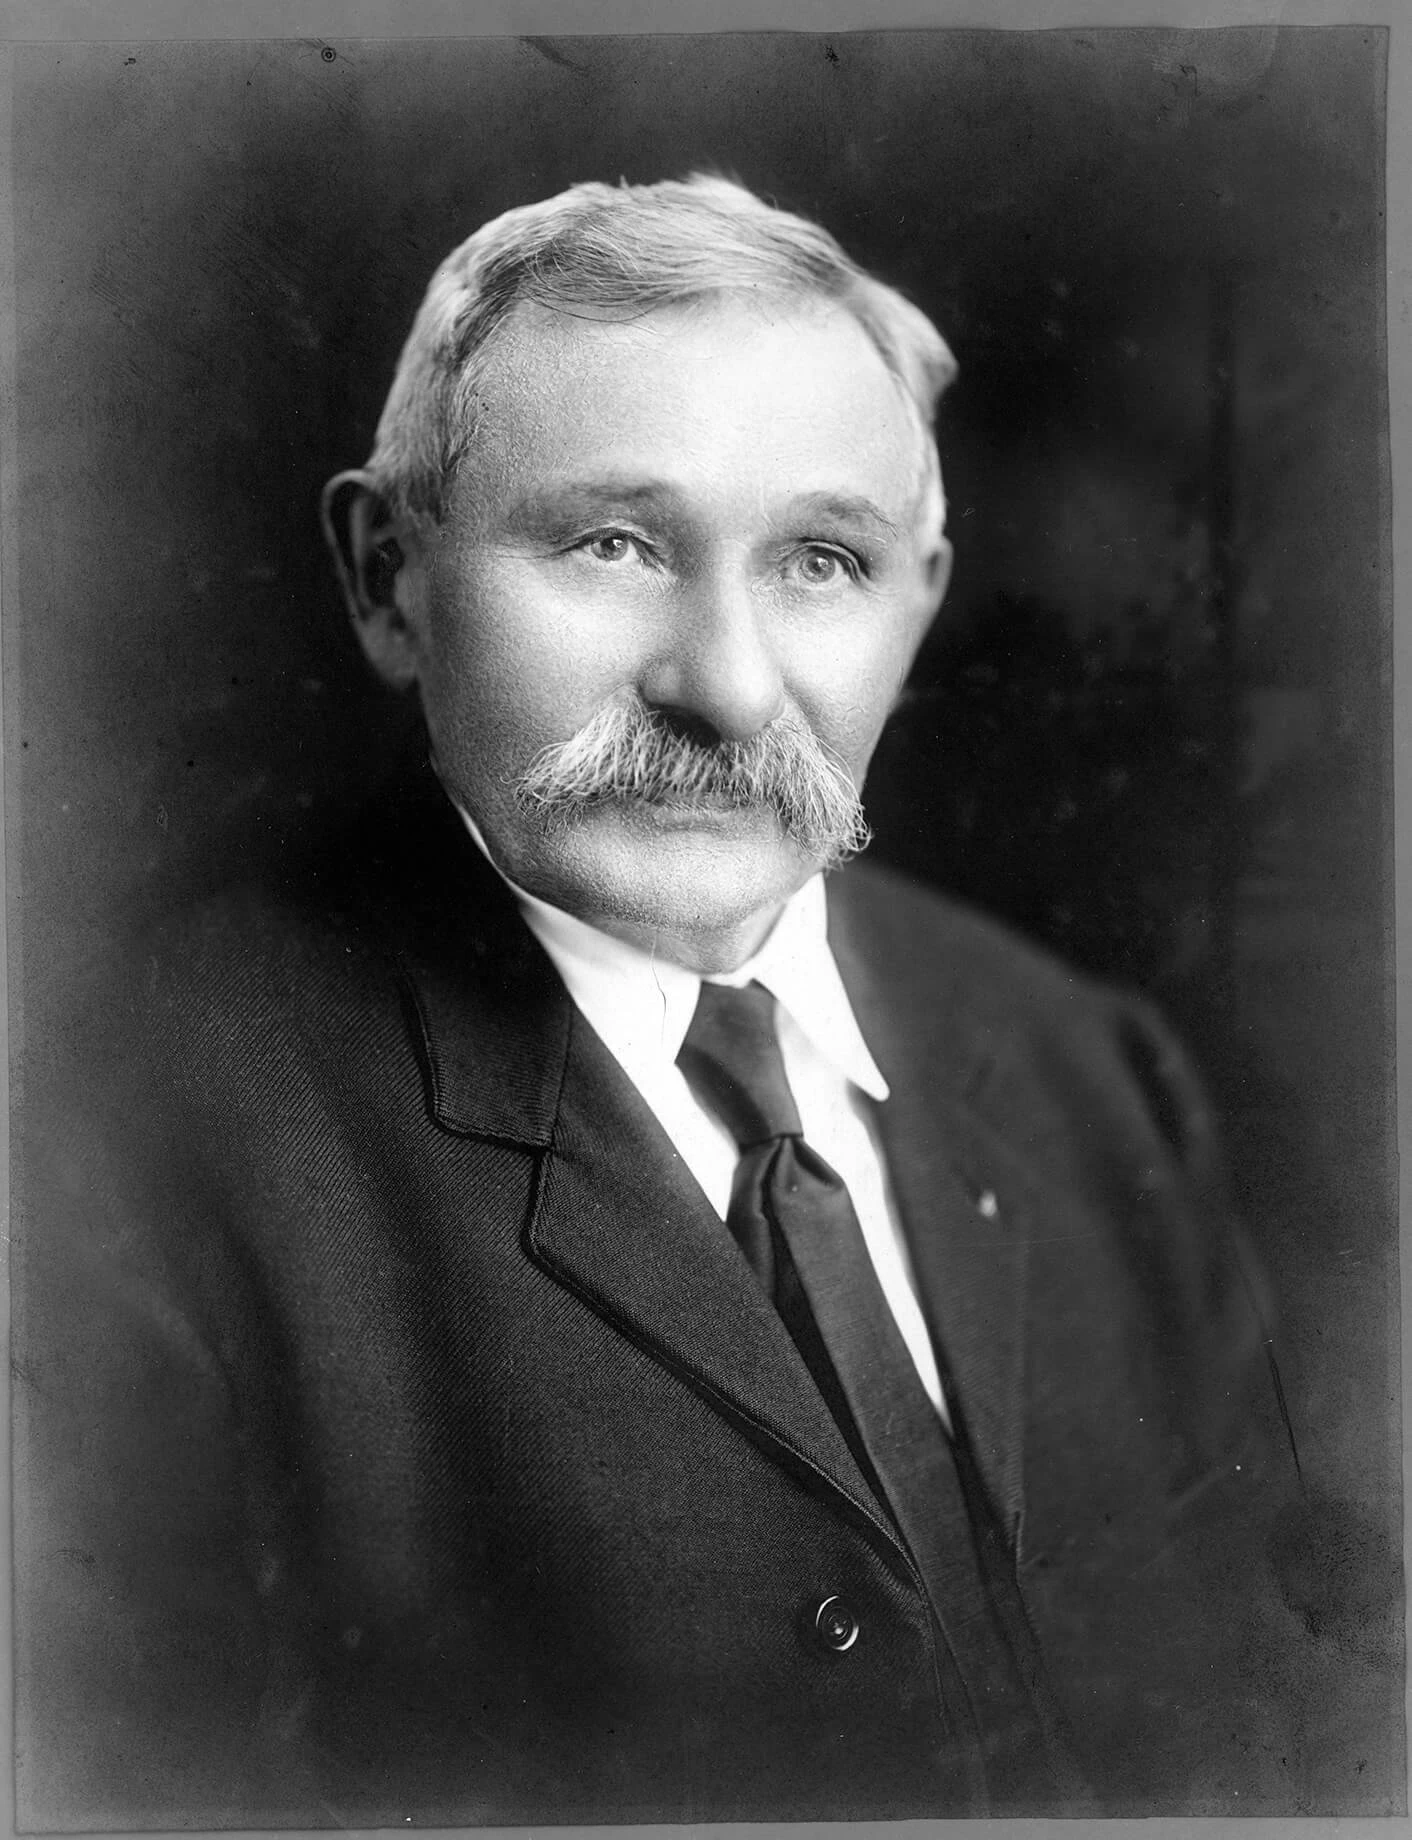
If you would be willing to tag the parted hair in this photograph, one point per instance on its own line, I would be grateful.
(616, 252)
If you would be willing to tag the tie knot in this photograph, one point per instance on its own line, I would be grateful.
(732, 1062)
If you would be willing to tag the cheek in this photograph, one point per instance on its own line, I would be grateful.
(848, 680)
(511, 666)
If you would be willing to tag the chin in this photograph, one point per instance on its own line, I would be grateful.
(671, 875)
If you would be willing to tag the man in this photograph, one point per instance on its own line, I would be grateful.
(578, 1317)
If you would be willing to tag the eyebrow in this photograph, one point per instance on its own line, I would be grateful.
(580, 498)
(843, 508)
(573, 498)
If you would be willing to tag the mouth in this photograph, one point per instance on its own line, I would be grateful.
(698, 812)
(696, 801)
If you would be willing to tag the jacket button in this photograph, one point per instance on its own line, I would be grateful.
(836, 1625)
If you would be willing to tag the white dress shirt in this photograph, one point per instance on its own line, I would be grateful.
(641, 1007)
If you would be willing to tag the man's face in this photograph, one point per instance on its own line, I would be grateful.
(711, 511)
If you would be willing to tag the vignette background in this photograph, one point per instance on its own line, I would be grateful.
(1152, 727)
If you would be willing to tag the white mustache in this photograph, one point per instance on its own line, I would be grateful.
(628, 751)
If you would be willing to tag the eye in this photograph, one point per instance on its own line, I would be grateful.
(820, 567)
(609, 546)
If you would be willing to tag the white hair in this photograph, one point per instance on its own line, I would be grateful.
(620, 251)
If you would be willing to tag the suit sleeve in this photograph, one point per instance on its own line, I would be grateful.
(149, 1687)
(1294, 1571)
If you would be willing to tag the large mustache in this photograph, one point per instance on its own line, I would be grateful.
(629, 751)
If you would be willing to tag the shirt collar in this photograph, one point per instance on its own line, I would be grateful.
(642, 1005)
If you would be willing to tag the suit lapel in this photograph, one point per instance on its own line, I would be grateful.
(963, 1196)
(964, 1212)
(489, 1016)
(622, 1222)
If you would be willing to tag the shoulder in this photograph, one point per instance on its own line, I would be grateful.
(251, 949)
(898, 911)
(946, 955)
(212, 981)
(988, 1010)
(324, 939)
(240, 998)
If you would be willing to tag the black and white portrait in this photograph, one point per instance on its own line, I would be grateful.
(698, 747)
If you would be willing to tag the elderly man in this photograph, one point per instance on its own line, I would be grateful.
(589, 1320)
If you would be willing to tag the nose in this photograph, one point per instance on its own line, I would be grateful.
(715, 665)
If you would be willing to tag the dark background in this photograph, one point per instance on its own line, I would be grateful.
(1152, 727)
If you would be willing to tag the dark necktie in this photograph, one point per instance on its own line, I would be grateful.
(788, 1213)
(793, 1219)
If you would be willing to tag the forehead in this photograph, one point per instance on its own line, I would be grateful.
(732, 402)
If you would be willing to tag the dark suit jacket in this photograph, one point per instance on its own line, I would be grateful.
(404, 1436)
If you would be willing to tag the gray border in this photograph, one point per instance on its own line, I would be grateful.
(78, 20)
(9, 550)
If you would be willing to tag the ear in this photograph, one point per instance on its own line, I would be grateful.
(938, 573)
(935, 571)
(379, 569)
